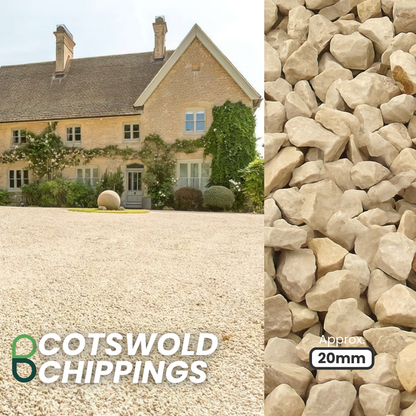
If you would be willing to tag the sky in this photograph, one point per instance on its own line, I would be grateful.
(112, 27)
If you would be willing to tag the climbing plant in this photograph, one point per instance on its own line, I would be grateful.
(231, 142)
(159, 159)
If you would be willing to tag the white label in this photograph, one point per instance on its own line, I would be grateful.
(341, 358)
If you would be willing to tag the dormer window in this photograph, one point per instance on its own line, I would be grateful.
(19, 136)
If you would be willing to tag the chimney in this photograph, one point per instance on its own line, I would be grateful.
(160, 29)
(64, 48)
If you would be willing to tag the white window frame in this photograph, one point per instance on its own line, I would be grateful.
(91, 179)
(132, 131)
(195, 112)
(21, 134)
(191, 180)
(73, 135)
(14, 177)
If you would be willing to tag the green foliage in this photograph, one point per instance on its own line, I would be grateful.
(218, 197)
(111, 181)
(4, 197)
(253, 186)
(53, 193)
(160, 162)
(81, 195)
(231, 141)
(31, 193)
(188, 145)
(188, 199)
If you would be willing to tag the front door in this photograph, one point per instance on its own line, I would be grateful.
(134, 186)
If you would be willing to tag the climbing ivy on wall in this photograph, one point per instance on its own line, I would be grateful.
(231, 141)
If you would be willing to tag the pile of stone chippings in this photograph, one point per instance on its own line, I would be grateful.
(340, 187)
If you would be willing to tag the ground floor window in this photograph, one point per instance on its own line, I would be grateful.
(193, 174)
(18, 178)
(88, 175)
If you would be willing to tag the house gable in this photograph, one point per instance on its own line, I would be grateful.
(197, 33)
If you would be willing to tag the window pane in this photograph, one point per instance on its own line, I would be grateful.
(126, 135)
(69, 134)
(183, 170)
(200, 126)
(22, 136)
(205, 170)
(77, 137)
(95, 173)
(88, 173)
(136, 127)
(11, 183)
(136, 135)
(139, 188)
(127, 128)
(200, 116)
(77, 130)
(79, 174)
(25, 177)
(194, 170)
(11, 174)
(135, 181)
(189, 126)
(18, 174)
(130, 182)
(189, 117)
(15, 136)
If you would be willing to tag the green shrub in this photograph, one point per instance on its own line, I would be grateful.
(111, 181)
(253, 186)
(4, 197)
(81, 195)
(31, 193)
(218, 197)
(53, 193)
(188, 199)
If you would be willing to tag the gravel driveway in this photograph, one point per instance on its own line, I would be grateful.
(166, 271)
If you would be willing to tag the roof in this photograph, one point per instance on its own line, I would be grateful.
(197, 32)
(92, 87)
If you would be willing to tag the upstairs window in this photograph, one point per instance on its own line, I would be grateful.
(131, 132)
(73, 134)
(195, 121)
(19, 136)
(18, 178)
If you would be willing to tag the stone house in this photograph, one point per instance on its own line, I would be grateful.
(119, 100)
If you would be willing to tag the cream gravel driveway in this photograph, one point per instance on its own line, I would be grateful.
(165, 271)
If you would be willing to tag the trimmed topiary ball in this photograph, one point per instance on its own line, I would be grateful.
(218, 197)
(188, 199)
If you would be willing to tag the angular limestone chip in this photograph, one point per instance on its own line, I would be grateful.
(270, 14)
(296, 273)
(274, 117)
(369, 117)
(358, 266)
(406, 367)
(281, 350)
(277, 317)
(405, 161)
(397, 135)
(298, 24)
(271, 212)
(364, 175)
(270, 288)
(352, 51)
(321, 31)
(279, 169)
(272, 65)
(272, 144)
(399, 109)
(395, 255)
(380, 31)
(379, 400)
(330, 399)
(284, 236)
(397, 306)
(308, 342)
(283, 401)
(277, 90)
(404, 16)
(302, 64)
(368, 9)
(344, 319)
(302, 317)
(340, 284)
(290, 201)
(403, 68)
(326, 78)
(295, 106)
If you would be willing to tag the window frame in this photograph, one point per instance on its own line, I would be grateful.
(195, 121)
(132, 131)
(73, 141)
(93, 180)
(189, 178)
(24, 178)
(19, 136)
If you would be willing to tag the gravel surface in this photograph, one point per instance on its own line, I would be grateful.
(179, 272)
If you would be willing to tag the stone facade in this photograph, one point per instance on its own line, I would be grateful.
(196, 82)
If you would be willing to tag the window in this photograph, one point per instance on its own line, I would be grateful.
(73, 134)
(193, 173)
(131, 132)
(19, 136)
(18, 178)
(195, 121)
(88, 175)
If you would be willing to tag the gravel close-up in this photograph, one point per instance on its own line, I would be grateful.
(165, 271)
